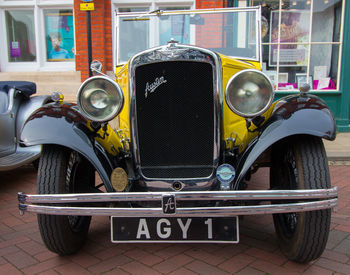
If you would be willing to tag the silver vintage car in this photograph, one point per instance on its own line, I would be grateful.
(17, 103)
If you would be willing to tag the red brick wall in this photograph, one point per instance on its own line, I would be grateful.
(210, 35)
(207, 4)
(101, 36)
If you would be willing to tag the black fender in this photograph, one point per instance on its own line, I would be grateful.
(64, 125)
(292, 115)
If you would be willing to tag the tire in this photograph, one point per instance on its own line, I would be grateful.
(301, 163)
(63, 171)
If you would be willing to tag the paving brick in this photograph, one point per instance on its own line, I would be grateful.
(137, 268)
(150, 260)
(250, 271)
(84, 259)
(136, 254)
(14, 241)
(32, 247)
(166, 267)
(44, 266)
(172, 264)
(270, 268)
(170, 251)
(27, 227)
(48, 272)
(335, 256)
(108, 253)
(237, 263)
(230, 250)
(8, 250)
(45, 255)
(20, 259)
(182, 271)
(205, 256)
(316, 270)
(4, 229)
(297, 267)
(2, 261)
(343, 247)
(9, 269)
(204, 268)
(276, 258)
(345, 228)
(12, 221)
(71, 268)
(149, 247)
(334, 266)
(116, 271)
(268, 246)
(109, 264)
(335, 238)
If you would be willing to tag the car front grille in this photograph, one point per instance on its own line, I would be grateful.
(175, 119)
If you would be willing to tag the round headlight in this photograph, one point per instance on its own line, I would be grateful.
(249, 93)
(100, 98)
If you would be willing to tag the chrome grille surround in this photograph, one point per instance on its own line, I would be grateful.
(176, 52)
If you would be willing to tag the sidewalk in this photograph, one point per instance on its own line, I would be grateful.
(339, 149)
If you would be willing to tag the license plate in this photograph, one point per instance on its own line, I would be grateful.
(197, 229)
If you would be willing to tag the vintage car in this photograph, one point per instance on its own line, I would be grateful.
(17, 103)
(174, 140)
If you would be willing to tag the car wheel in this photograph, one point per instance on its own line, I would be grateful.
(301, 164)
(63, 171)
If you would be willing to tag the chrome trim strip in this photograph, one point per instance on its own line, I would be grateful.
(183, 196)
(196, 11)
(183, 212)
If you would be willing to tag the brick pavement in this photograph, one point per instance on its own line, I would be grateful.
(22, 251)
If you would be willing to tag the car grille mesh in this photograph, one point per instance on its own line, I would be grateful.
(175, 119)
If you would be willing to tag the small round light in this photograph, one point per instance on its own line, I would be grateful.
(249, 93)
(100, 99)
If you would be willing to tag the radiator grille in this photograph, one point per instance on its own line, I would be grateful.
(175, 119)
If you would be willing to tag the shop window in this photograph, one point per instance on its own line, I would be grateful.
(20, 35)
(301, 42)
(59, 35)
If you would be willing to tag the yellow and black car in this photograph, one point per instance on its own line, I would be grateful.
(174, 139)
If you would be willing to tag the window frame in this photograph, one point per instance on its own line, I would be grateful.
(41, 64)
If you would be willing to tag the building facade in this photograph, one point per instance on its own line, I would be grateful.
(303, 40)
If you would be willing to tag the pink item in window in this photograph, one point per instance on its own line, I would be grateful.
(331, 85)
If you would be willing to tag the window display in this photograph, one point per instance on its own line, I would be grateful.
(20, 35)
(59, 35)
(301, 42)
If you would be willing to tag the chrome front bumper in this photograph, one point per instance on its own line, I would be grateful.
(296, 201)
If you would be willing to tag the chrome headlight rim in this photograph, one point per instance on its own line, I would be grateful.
(249, 115)
(114, 113)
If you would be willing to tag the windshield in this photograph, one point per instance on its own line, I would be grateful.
(232, 32)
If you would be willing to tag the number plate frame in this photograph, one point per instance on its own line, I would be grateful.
(156, 229)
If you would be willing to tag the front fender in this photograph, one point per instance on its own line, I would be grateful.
(64, 125)
(27, 107)
(293, 115)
